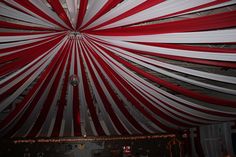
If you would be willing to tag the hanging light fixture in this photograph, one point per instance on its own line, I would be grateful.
(74, 80)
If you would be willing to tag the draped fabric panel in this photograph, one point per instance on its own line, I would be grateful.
(74, 68)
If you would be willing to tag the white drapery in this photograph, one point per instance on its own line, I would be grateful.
(216, 140)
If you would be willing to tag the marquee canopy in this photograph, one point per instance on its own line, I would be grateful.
(114, 67)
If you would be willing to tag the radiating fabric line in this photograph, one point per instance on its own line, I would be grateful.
(173, 52)
(92, 9)
(48, 124)
(81, 13)
(165, 122)
(137, 115)
(33, 96)
(178, 58)
(122, 74)
(177, 88)
(110, 127)
(8, 68)
(136, 77)
(31, 93)
(121, 8)
(159, 10)
(48, 102)
(189, 71)
(9, 25)
(7, 81)
(87, 126)
(109, 5)
(14, 38)
(76, 104)
(73, 11)
(19, 51)
(62, 102)
(208, 22)
(12, 97)
(140, 97)
(88, 97)
(68, 129)
(56, 5)
(215, 36)
(38, 13)
(104, 100)
(119, 105)
(21, 16)
(42, 6)
(145, 62)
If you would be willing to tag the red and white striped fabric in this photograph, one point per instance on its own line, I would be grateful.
(129, 59)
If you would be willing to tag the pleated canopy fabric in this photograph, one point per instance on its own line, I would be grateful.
(114, 67)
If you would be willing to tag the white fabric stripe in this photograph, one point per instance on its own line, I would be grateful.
(29, 47)
(13, 13)
(28, 101)
(30, 12)
(141, 61)
(24, 37)
(174, 52)
(215, 36)
(99, 53)
(165, 93)
(72, 8)
(130, 81)
(164, 8)
(118, 10)
(89, 128)
(212, 7)
(68, 111)
(25, 129)
(92, 10)
(19, 43)
(108, 122)
(12, 97)
(202, 74)
(41, 5)
(51, 117)
(115, 108)
(9, 85)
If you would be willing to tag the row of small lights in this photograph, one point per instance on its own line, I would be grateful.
(88, 139)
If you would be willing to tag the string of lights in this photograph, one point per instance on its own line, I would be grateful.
(92, 138)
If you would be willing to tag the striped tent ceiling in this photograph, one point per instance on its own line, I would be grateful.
(115, 67)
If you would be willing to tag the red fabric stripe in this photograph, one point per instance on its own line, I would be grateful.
(57, 7)
(8, 25)
(105, 101)
(37, 11)
(48, 102)
(89, 99)
(126, 89)
(82, 11)
(108, 6)
(176, 88)
(62, 100)
(141, 7)
(209, 22)
(23, 53)
(38, 50)
(76, 109)
(31, 98)
(157, 111)
(183, 47)
(118, 102)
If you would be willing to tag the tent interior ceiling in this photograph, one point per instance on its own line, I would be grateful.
(72, 68)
